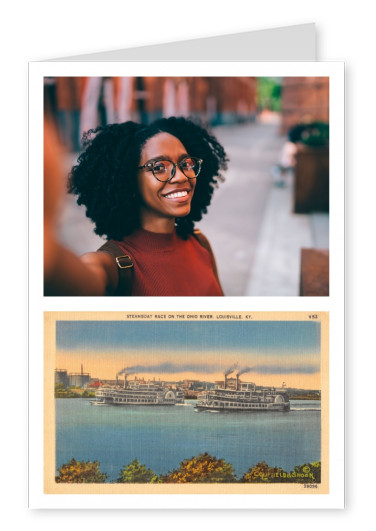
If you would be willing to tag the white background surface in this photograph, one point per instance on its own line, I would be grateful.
(41, 30)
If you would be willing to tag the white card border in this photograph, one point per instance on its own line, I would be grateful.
(334, 304)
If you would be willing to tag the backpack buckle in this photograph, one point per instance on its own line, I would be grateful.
(128, 261)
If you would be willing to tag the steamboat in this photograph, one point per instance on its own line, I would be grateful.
(243, 397)
(137, 393)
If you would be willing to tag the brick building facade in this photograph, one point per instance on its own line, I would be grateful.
(216, 100)
(304, 99)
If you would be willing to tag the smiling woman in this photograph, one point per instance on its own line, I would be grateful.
(144, 187)
(166, 188)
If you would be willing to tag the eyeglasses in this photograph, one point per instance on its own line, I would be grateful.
(165, 170)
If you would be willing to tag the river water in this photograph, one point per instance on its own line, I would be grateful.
(160, 437)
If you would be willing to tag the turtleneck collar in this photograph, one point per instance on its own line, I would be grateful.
(153, 241)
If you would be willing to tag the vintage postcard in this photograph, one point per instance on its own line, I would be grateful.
(186, 403)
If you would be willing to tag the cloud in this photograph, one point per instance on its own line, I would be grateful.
(205, 368)
(286, 369)
(172, 368)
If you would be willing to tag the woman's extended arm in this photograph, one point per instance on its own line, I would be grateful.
(64, 272)
(67, 274)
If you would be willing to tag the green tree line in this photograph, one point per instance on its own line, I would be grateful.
(200, 469)
(62, 392)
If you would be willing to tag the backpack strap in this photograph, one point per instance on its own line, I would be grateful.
(125, 268)
(204, 242)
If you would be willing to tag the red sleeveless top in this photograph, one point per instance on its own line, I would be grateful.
(166, 265)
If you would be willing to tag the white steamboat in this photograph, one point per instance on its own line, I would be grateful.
(244, 397)
(136, 393)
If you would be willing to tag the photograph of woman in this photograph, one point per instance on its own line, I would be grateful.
(140, 159)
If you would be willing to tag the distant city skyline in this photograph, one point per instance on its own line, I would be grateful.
(272, 351)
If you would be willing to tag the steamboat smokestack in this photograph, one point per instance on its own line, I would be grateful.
(227, 372)
(125, 380)
(237, 382)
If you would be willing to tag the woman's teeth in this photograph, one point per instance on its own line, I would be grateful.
(176, 194)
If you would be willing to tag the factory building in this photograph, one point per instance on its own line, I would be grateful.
(61, 377)
(79, 379)
(73, 379)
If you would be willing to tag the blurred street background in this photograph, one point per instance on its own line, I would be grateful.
(269, 220)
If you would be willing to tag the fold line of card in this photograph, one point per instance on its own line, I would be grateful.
(290, 43)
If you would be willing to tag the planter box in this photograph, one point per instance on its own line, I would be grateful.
(311, 185)
(314, 273)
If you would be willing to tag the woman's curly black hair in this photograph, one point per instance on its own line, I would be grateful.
(105, 176)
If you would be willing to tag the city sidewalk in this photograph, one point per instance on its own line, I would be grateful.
(276, 266)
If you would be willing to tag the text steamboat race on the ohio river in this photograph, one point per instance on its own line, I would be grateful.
(244, 397)
(136, 393)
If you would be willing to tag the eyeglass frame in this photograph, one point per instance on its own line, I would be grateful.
(173, 171)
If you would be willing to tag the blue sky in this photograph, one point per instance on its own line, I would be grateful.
(268, 337)
(272, 351)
